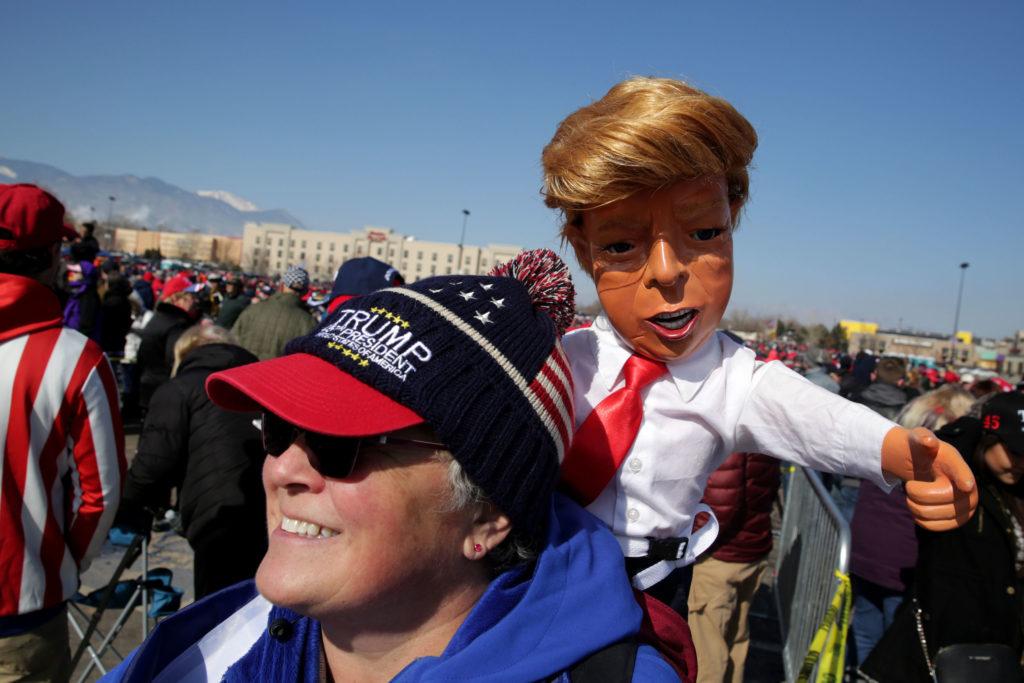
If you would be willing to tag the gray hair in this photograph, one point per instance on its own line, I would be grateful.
(936, 408)
(198, 335)
(463, 494)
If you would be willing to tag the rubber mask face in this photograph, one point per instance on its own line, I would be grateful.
(662, 264)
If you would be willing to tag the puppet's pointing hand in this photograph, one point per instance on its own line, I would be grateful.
(941, 491)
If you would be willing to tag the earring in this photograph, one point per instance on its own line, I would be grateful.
(477, 548)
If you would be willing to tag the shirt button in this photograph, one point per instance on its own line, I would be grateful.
(633, 514)
(1010, 590)
(634, 465)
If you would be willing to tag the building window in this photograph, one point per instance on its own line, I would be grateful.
(483, 263)
(257, 240)
(419, 255)
(433, 257)
(405, 253)
(302, 256)
(291, 243)
(278, 253)
(419, 267)
(332, 246)
(303, 244)
(448, 271)
(380, 251)
(280, 242)
(450, 258)
(344, 248)
(318, 258)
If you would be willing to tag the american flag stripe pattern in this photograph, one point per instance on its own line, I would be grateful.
(553, 388)
(63, 463)
(550, 399)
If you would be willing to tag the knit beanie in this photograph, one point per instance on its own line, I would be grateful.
(296, 278)
(479, 358)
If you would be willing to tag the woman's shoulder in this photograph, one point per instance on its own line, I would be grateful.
(202, 639)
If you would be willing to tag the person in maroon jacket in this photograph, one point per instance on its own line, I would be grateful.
(740, 493)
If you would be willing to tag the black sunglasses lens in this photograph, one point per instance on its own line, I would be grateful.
(277, 434)
(335, 455)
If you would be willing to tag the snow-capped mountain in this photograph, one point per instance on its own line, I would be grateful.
(229, 199)
(149, 202)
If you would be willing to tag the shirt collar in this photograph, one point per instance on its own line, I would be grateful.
(27, 306)
(688, 374)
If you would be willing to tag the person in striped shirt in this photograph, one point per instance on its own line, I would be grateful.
(62, 455)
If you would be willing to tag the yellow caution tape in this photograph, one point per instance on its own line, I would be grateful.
(829, 642)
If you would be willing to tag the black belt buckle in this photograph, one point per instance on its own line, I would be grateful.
(669, 549)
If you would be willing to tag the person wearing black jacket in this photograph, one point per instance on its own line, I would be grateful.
(212, 456)
(884, 395)
(156, 348)
(232, 304)
(968, 581)
(116, 309)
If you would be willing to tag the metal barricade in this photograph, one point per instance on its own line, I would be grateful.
(814, 544)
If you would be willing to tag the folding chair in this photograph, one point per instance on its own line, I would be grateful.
(152, 589)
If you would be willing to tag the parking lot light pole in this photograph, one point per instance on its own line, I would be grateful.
(462, 239)
(956, 319)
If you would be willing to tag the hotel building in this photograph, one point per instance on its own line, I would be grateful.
(269, 248)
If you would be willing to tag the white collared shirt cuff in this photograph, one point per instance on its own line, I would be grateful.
(864, 431)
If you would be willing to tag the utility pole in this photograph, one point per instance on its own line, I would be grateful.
(462, 239)
(956, 318)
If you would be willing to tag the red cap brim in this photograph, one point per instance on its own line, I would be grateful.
(310, 393)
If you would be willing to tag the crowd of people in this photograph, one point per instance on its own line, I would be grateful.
(464, 478)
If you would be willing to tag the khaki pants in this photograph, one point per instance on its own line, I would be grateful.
(720, 598)
(42, 654)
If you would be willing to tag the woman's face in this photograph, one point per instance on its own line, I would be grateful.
(1006, 466)
(383, 532)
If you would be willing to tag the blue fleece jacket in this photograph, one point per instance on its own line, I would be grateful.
(524, 628)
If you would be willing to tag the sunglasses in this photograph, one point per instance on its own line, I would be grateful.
(335, 455)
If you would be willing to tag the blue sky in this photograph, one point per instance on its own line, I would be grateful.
(891, 142)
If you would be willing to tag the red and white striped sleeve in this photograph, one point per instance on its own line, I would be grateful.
(97, 449)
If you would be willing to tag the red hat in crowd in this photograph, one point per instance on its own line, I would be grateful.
(31, 218)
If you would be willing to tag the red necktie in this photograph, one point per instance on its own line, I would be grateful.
(602, 441)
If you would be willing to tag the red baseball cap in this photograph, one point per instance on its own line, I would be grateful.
(31, 218)
(312, 394)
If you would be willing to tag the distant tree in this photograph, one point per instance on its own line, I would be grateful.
(743, 321)
(790, 330)
(816, 334)
(836, 338)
